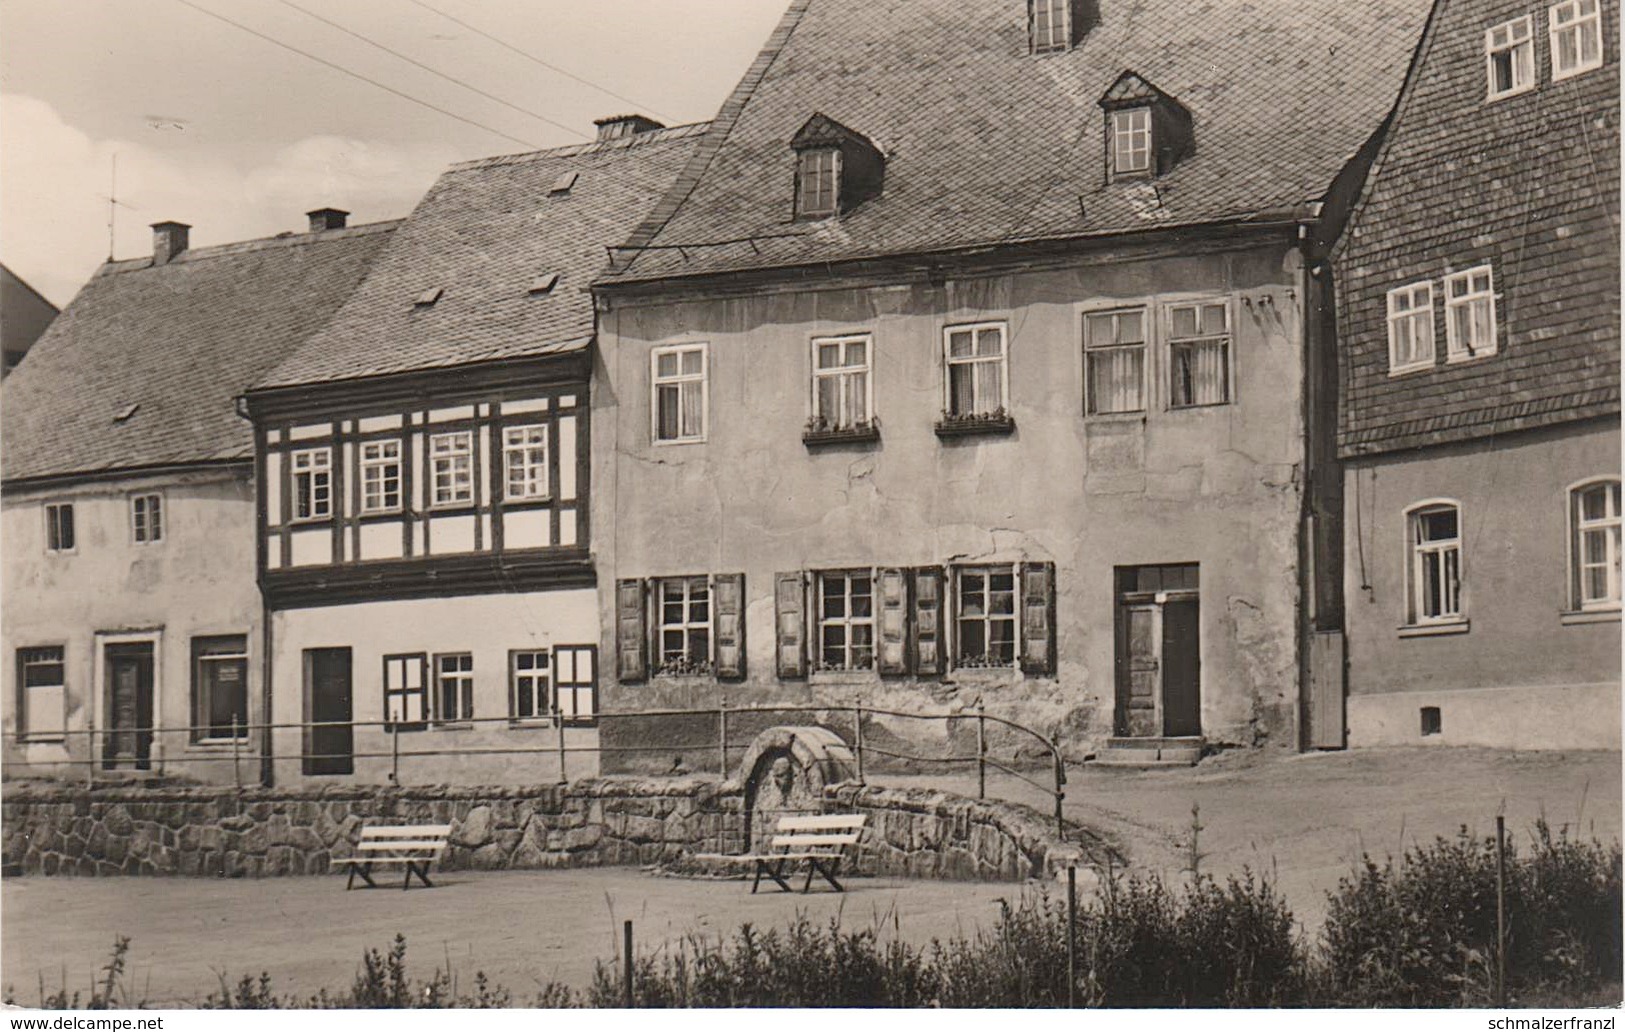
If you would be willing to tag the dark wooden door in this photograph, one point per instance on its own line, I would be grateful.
(129, 706)
(1181, 669)
(328, 749)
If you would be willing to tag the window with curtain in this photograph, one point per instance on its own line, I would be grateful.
(819, 180)
(453, 687)
(529, 676)
(1131, 140)
(1435, 566)
(1410, 327)
(846, 620)
(1469, 314)
(1050, 29)
(684, 629)
(1594, 522)
(524, 461)
(313, 484)
(380, 476)
(679, 401)
(451, 467)
(1509, 57)
(976, 370)
(841, 382)
(985, 617)
(1575, 28)
(1198, 354)
(1114, 361)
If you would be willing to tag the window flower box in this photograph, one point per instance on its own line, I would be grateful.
(819, 431)
(998, 422)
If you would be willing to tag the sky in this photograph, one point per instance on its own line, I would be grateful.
(213, 126)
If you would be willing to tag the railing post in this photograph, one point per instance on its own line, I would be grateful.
(981, 750)
(722, 737)
(627, 950)
(558, 722)
(857, 736)
(395, 752)
(236, 769)
(1060, 795)
(1500, 910)
(1071, 935)
(90, 751)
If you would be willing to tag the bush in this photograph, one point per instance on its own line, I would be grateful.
(1422, 932)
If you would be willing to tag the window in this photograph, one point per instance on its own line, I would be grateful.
(524, 462)
(684, 625)
(1575, 27)
(986, 617)
(451, 467)
(1435, 532)
(219, 688)
(1410, 328)
(42, 713)
(841, 398)
(1509, 50)
(818, 181)
(1114, 361)
(976, 381)
(1050, 30)
(147, 518)
(1594, 517)
(576, 668)
(679, 401)
(453, 688)
(846, 621)
(313, 484)
(1198, 354)
(1131, 140)
(406, 704)
(59, 527)
(380, 476)
(528, 679)
(1469, 314)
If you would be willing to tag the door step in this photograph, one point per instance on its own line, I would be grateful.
(1150, 752)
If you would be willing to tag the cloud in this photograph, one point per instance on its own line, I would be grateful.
(54, 182)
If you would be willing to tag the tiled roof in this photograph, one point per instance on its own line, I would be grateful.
(178, 342)
(483, 236)
(1528, 184)
(987, 143)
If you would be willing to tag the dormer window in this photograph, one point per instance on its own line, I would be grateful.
(1055, 25)
(837, 169)
(1131, 141)
(1147, 131)
(819, 178)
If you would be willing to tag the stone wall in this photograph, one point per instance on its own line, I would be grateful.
(67, 830)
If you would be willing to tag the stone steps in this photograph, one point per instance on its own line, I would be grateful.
(1150, 752)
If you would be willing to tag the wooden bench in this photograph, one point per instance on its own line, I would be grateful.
(413, 846)
(820, 842)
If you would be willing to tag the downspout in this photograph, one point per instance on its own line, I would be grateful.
(267, 767)
(1308, 603)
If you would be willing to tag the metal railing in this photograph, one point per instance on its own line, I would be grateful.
(256, 743)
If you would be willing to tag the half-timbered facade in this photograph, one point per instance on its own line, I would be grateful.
(425, 522)
(1479, 329)
(927, 394)
(133, 626)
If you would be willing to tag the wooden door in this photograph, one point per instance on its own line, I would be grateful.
(129, 706)
(1139, 660)
(328, 749)
(1181, 669)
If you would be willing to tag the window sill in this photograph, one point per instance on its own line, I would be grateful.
(1518, 92)
(972, 426)
(451, 508)
(390, 729)
(310, 521)
(529, 723)
(1407, 370)
(1572, 617)
(845, 435)
(1109, 418)
(1461, 358)
(451, 725)
(1204, 406)
(380, 515)
(1432, 629)
(668, 442)
(45, 739)
(218, 744)
(521, 504)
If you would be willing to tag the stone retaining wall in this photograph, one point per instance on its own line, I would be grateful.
(59, 830)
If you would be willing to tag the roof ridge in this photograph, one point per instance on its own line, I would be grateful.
(727, 117)
(643, 139)
(194, 254)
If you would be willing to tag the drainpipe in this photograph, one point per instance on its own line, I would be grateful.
(1308, 525)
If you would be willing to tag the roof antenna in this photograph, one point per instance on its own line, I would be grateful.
(112, 205)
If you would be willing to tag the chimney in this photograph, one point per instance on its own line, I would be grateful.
(617, 127)
(169, 239)
(326, 218)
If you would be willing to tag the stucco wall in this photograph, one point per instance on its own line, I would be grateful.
(1218, 486)
(199, 580)
(1515, 673)
(487, 626)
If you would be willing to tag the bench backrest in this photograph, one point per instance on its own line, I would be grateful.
(406, 836)
(819, 833)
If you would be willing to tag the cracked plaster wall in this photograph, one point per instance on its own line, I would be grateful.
(1219, 486)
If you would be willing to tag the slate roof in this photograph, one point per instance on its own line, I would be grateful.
(179, 342)
(987, 143)
(1529, 184)
(483, 235)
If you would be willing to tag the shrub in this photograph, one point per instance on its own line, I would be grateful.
(1422, 932)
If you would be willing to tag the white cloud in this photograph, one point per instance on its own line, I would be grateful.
(54, 182)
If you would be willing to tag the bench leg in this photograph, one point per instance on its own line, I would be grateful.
(827, 872)
(422, 871)
(349, 883)
(761, 865)
(812, 865)
(365, 870)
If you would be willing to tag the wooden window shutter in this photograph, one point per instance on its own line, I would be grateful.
(631, 634)
(728, 593)
(1038, 618)
(790, 608)
(892, 657)
(927, 644)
